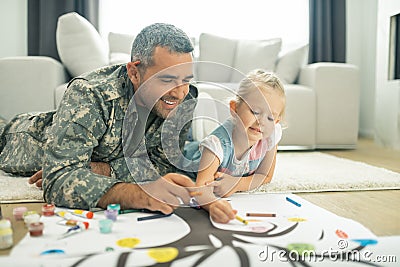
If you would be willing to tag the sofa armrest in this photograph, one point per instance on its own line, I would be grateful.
(337, 88)
(59, 93)
(27, 84)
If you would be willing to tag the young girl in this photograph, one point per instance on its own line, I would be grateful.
(243, 146)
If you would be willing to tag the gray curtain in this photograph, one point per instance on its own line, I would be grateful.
(397, 49)
(42, 22)
(327, 41)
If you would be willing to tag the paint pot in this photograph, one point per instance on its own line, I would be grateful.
(6, 234)
(105, 226)
(48, 209)
(18, 213)
(36, 229)
(111, 214)
(31, 217)
(114, 207)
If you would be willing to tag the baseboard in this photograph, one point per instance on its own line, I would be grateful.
(295, 147)
(349, 146)
(315, 147)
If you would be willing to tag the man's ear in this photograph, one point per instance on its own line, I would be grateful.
(232, 108)
(133, 73)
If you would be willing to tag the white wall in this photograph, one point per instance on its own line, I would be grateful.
(361, 51)
(387, 101)
(13, 28)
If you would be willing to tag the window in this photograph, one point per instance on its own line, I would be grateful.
(250, 19)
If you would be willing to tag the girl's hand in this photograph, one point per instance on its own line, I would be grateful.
(225, 184)
(221, 211)
(203, 195)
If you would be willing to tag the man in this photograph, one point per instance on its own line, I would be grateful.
(83, 162)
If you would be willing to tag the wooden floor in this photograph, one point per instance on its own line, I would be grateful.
(377, 210)
(369, 152)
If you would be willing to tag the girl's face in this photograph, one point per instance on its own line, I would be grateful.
(258, 114)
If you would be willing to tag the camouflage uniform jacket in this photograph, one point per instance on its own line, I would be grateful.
(88, 126)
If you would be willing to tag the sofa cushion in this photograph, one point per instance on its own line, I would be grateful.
(118, 58)
(289, 64)
(79, 45)
(120, 46)
(254, 54)
(215, 49)
(120, 42)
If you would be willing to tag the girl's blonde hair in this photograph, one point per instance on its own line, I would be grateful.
(263, 81)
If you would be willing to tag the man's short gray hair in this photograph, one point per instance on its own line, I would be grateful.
(159, 34)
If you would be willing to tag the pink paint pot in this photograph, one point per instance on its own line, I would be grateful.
(18, 213)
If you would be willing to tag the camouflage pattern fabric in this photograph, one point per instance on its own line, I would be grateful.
(22, 139)
(3, 123)
(88, 127)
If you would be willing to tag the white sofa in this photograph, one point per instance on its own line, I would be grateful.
(322, 98)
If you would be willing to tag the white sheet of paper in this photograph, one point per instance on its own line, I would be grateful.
(148, 233)
(314, 226)
(311, 224)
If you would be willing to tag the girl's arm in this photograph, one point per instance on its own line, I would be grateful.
(209, 164)
(265, 170)
(262, 175)
(220, 210)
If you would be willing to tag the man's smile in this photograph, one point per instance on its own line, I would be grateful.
(169, 102)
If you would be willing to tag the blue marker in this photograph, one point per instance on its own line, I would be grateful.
(151, 217)
(293, 202)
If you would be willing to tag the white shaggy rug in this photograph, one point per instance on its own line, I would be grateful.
(15, 189)
(317, 172)
(294, 172)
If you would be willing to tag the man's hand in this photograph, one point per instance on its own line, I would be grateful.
(160, 195)
(101, 168)
(169, 188)
(36, 179)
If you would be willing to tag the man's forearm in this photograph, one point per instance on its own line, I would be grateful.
(127, 195)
